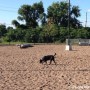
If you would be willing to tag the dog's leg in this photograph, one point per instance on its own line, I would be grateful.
(54, 61)
(50, 61)
(46, 62)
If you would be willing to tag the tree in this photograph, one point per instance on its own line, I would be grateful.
(3, 30)
(43, 18)
(9, 28)
(82, 33)
(18, 25)
(50, 32)
(15, 23)
(32, 35)
(58, 14)
(30, 15)
(10, 36)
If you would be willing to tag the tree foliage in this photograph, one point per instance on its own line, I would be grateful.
(39, 27)
(3, 30)
(58, 13)
(30, 14)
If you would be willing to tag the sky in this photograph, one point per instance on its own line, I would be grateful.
(9, 9)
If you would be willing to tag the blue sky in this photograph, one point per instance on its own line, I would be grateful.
(9, 8)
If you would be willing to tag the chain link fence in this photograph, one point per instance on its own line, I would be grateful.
(81, 42)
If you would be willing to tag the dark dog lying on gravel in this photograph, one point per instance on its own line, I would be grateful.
(48, 57)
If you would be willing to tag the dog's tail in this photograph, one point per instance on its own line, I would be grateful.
(55, 54)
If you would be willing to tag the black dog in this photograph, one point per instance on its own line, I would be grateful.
(48, 57)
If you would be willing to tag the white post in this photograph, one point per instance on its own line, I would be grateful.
(68, 45)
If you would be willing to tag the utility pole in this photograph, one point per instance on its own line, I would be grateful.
(68, 42)
(86, 20)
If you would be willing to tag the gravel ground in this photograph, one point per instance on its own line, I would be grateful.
(20, 68)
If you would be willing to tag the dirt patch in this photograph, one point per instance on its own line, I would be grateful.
(20, 68)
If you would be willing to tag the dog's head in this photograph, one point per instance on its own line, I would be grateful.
(41, 61)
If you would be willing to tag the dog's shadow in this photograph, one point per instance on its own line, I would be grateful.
(57, 64)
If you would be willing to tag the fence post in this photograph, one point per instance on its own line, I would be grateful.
(68, 45)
